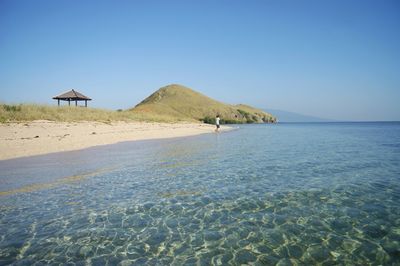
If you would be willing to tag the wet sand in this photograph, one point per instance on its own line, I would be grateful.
(42, 137)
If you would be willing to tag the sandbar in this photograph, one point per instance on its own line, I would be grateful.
(43, 137)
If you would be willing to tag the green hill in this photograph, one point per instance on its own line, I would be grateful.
(182, 103)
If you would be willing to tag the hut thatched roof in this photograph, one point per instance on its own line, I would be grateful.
(72, 95)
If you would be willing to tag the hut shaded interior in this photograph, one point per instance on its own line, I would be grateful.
(72, 95)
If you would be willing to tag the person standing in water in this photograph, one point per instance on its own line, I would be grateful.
(217, 123)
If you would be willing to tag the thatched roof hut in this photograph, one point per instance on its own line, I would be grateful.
(72, 95)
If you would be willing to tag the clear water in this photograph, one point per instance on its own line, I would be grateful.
(286, 194)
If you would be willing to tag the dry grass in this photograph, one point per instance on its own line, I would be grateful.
(30, 112)
(173, 103)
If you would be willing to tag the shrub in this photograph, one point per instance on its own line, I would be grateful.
(231, 121)
(243, 113)
(249, 117)
(11, 108)
(211, 120)
(208, 120)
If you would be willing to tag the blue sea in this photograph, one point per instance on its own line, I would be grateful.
(271, 194)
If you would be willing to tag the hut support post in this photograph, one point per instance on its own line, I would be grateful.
(69, 102)
(85, 103)
(76, 103)
(58, 102)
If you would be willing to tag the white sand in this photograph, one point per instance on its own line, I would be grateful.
(42, 137)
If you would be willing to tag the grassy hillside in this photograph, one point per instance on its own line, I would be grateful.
(183, 103)
(30, 112)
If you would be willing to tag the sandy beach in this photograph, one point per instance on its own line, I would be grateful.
(42, 137)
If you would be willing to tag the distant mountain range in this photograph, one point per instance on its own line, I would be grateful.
(181, 103)
(285, 116)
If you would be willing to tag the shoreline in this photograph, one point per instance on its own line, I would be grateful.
(43, 137)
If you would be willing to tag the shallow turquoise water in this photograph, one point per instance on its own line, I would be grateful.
(283, 194)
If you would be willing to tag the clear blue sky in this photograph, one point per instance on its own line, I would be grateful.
(328, 58)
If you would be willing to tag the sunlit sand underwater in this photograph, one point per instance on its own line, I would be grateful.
(286, 194)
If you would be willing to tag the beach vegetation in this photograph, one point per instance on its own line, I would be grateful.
(12, 108)
(222, 121)
(30, 112)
